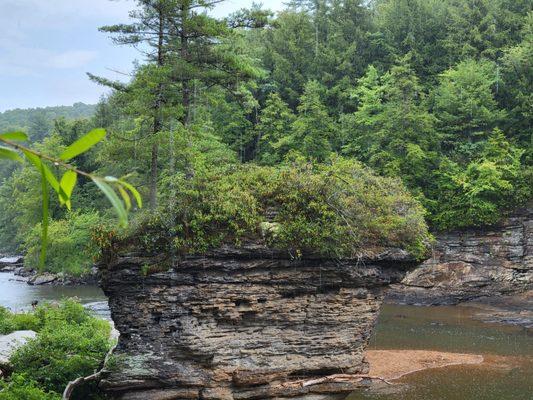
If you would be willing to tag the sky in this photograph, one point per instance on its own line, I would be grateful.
(46, 48)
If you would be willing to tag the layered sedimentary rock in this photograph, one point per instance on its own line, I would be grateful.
(474, 263)
(244, 323)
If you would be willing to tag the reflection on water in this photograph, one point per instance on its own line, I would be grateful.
(17, 295)
(507, 372)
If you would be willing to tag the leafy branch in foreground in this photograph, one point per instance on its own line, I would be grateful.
(118, 191)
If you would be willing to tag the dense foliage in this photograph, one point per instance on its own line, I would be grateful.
(435, 93)
(70, 343)
(338, 209)
(19, 387)
(70, 248)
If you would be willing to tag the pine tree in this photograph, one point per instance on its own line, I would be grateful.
(184, 46)
(363, 125)
(464, 102)
(516, 91)
(273, 130)
(313, 128)
(405, 141)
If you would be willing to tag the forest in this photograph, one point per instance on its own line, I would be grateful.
(434, 96)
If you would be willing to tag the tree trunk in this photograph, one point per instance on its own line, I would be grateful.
(153, 176)
(158, 124)
(186, 86)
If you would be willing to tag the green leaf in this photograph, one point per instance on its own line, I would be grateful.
(125, 197)
(113, 199)
(46, 204)
(50, 177)
(68, 182)
(15, 136)
(133, 191)
(7, 153)
(83, 144)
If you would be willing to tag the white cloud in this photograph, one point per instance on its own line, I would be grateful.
(52, 14)
(25, 61)
(47, 45)
(71, 59)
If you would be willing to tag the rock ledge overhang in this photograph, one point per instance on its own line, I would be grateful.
(246, 323)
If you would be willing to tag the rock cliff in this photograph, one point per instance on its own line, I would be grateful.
(474, 263)
(244, 323)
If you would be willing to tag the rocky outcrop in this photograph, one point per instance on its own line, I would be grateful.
(244, 323)
(10, 343)
(473, 264)
(36, 278)
(10, 263)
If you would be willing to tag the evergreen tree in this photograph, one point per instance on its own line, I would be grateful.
(313, 128)
(418, 28)
(406, 135)
(365, 123)
(185, 47)
(516, 92)
(464, 102)
(273, 130)
(483, 28)
(289, 54)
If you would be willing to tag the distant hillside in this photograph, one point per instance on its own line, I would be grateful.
(38, 121)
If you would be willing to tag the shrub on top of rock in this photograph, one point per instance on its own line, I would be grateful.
(336, 210)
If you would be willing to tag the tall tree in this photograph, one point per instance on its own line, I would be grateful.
(393, 129)
(417, 27)
(464, 102)
(289, 54)
(516, 92)
(313, 128)
(363, 125)
(273, 130)
(152, 33)
(184, 47)
(483, 28)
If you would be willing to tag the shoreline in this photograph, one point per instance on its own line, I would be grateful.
(15, 265)
(393, 364)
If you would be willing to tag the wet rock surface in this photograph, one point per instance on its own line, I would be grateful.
(474, 264)
(36, 278)
(10, 263)
(509, 310)
(243, 324)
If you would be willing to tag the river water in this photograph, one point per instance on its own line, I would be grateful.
(18, 296)
(506, 374)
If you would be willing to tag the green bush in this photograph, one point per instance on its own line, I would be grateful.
(19, 387)
(70, 248)
(70, 343)
(339, 210)
(479, 193)
(10, 322)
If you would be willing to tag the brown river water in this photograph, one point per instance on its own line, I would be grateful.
(506, 373)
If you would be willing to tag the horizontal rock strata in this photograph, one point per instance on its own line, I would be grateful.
(243, 324)
(474, 263)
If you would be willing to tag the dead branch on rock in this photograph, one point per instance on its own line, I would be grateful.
(84, 379)
(340, 378)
